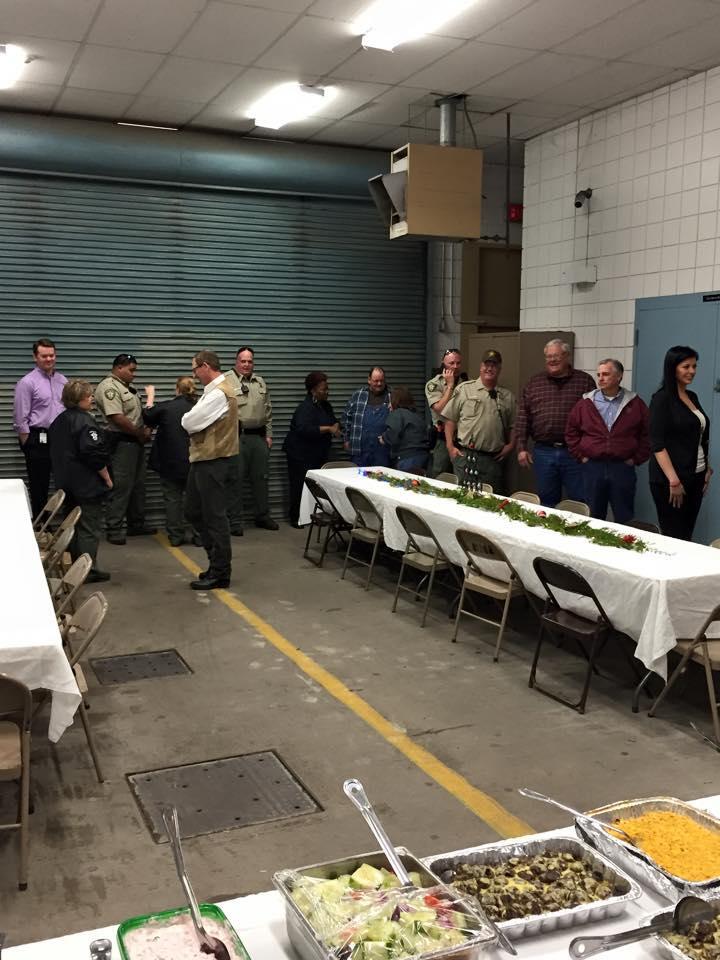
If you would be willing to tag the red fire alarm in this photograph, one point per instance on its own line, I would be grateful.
(515, 212)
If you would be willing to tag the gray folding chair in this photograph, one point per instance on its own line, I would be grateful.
(47, 514)
(325, 516)
(429, 560)
(447, 477)
(480, 549)
(337, 464)
(48, 539)
(53, 562)
(63, 590)
(525, 496)
(367, 527)
(643, 525)
(16, 709)
(574, 506)
(715, 543)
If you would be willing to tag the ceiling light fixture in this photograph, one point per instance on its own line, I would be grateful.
(146, 126)
(289, 103)
(388, 23)
(12, 61)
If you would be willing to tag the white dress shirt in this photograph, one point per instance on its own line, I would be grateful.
(211, 406)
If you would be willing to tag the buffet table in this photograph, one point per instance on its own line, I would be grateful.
(30, 646)
(260, 921)
(654, 597)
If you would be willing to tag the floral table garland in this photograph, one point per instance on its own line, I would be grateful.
(515, 511)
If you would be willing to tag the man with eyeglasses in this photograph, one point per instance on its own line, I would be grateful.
(214, 443)
(438, 393)
(255, 415)
(127, 435)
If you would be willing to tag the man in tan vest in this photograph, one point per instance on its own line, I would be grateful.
(213, 427)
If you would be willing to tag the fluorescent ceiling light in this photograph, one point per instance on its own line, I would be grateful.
(146, 126)
(12, 60)
(289, 103)
(388, 23)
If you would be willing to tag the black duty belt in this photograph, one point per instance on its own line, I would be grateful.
(558, 444)
(123, 437)
(487, 453)
(253, 431)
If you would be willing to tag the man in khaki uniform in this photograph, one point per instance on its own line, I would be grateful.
(482, 414)
(438, 391)
(126, 435)
(255, 414)
(214, 442)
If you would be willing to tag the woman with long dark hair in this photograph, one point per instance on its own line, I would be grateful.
(679, 436)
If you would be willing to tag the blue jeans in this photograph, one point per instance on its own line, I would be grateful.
(555, 469)
(412, 462)
(610, 482)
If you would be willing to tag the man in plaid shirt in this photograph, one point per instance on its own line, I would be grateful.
(543, 412)
(364, 421)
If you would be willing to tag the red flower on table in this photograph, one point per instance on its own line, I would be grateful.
(415, 483)
(503, 504)
(629, 538)
(541, 513)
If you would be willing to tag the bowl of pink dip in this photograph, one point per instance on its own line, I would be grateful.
(171, 935)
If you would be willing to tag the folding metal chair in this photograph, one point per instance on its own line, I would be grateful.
(706, 651)
(447, 477)
(715, 543)
(48, 512)
(63, 590)
(325, 516)
(47, 540)
(478, 548)
(429, 561)
(337, 465)
(574, 506)
(367, 527)
(16, 707)
(525, 496)
(556, 620)
(53, 562)
(643, 525)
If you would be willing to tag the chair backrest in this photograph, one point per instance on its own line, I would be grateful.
(48, 511)
(478, 547)
(337, 464)
(323, 503)
(15, 698)
(56, 551)
(84, 624)
(365, 513)
(525, 496)
(447, 477)
(715, 543)
(574, 506)
(71, 583)
(70, 520)
(643, 525)
(414, 526)
(563, 577)
(486, 488)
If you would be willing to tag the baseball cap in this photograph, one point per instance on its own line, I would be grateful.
(491, 356)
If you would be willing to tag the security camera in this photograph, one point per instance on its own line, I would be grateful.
(581, 196)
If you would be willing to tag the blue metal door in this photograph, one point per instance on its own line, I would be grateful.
(660, 323)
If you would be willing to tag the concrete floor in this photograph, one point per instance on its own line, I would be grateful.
(93, 860)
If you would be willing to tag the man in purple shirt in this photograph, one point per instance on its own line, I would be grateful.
(37, 403)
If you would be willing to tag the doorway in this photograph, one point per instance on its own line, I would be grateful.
(660, 323)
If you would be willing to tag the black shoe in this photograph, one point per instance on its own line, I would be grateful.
(174, 542)
(117, 538)
(210, 583)
(204, 575)
(141, 531)
(97, 576)
(266, 523)
(197, 540)
(238, 532)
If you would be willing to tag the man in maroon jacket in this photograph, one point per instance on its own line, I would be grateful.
(607, 431)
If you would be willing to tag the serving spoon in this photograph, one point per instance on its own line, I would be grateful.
(534, 795)
(208, 944)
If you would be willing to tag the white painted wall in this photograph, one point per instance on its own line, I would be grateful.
(654, 166)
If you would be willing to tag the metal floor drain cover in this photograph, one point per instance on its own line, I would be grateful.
(139, 666)
(222, 794)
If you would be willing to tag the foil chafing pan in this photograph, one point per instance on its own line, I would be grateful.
(634, 861)
(670, 950)
(309, 946)
(558, 919)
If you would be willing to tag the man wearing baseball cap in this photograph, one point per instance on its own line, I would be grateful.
(482, 415)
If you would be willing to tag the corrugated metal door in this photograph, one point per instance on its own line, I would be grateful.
(161, 272)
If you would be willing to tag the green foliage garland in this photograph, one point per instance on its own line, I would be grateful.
(514, 510)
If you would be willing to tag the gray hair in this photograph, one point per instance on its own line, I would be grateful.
(565, 347)
(619, 368)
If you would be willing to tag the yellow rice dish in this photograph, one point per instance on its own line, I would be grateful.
(676, 843)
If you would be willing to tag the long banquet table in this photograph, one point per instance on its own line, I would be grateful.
(655, 597)
(260, 921)
(30, 646)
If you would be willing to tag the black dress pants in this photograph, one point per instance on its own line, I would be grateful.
(37, 462)
(206, 511)
(296, 481)
(679, 522)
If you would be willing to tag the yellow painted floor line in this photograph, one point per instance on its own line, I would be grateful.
(482, 805)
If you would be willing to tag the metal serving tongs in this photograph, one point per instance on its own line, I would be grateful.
(208, 944)
(687, 911)
(355, 791)
(534, 795)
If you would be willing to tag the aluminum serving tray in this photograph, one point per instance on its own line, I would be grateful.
(672, 952)
(639, 865)
(558, 919)
(308, 945)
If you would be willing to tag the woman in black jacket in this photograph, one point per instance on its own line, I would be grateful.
(169, 454)
(309, 438)
(80, 460)
(679, 435)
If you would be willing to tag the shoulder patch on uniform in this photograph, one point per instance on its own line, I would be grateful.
(111, 393)
(94, 435)
(432, 386)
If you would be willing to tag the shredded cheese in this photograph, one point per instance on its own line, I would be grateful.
(676, 843)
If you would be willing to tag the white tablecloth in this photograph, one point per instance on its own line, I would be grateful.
(260, 921)
(654, 597)
(30, 646)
